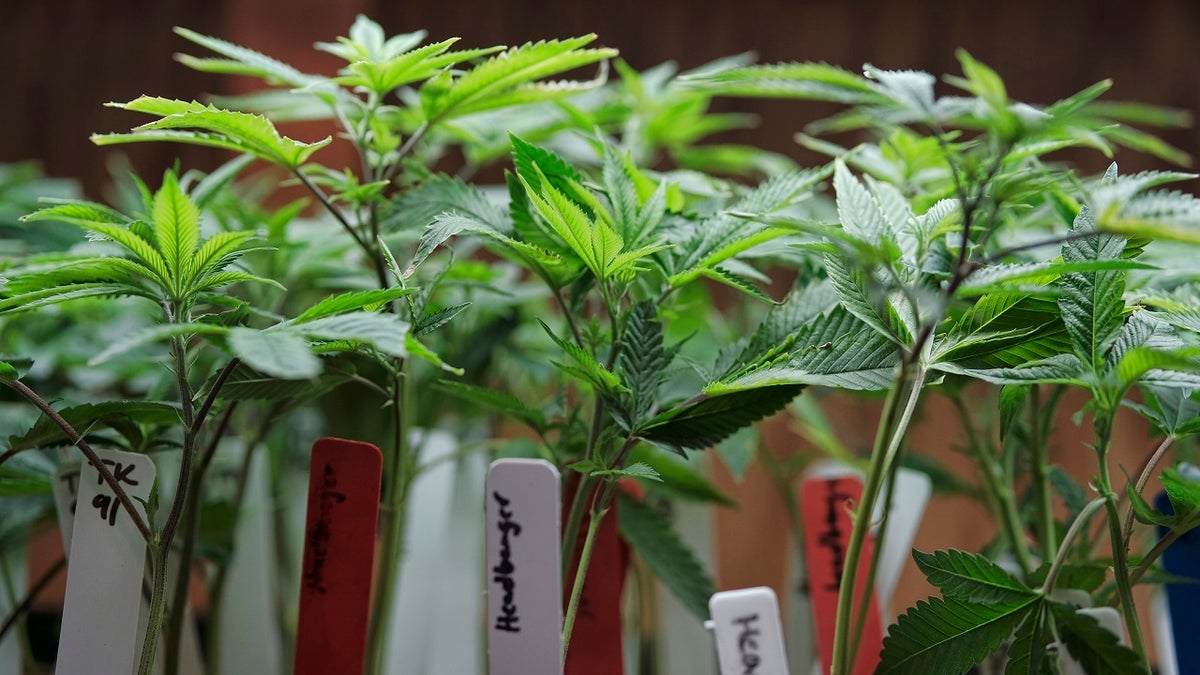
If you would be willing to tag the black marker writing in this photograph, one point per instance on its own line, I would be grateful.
(318, 536)
(502, 573)
(748, 643)
(832, 536)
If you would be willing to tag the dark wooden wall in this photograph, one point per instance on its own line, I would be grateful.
(63, 58)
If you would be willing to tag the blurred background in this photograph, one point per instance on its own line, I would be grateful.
(63, 58)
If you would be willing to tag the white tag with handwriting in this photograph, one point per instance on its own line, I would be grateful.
(104, 579)
(524, 574)
(748, 632)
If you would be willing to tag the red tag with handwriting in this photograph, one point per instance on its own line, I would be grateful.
(824, 505)
(596, 645)
(339, 548)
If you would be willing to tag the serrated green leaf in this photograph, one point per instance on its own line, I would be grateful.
(245, 132)
(1092, 302)
(497, 401)
(125, 417)
(351, 301)
(949, 636)
(633, 470)
(815, 81)
(1183, 492)
(1029, 654)
(702, 423)
(1092, 645)
(176, 222)
(642, 359)
(656, 542)
(486, 86)
(681, 479)
(586, 365)
(249, 62)
(384, 332)
(970, 578)
(278, 353)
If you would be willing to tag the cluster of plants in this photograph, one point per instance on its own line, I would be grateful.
(585, 300)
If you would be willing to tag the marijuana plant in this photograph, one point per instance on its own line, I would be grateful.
(937, 269)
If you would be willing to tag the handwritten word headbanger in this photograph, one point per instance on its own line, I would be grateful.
(502, 573)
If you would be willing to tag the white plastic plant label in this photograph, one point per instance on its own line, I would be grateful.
(748, 632)
(913, 489)
(524, 590)
(66, 489)
(104, 578)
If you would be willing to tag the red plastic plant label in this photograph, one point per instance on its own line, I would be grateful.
(825, 504)
(596, 644)
(524, 589)
(104, 577)
(339, 549)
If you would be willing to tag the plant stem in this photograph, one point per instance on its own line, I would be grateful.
(101, 468)
(999, 496)
(1103, 425)
(1041, 475)
(34, 591)
(1077, 526)
(394, 500)
(582, 496)
(333, 210)
(1143, 478)
(901, 402)
(1147, 561)
(183, 488)
(580, 576)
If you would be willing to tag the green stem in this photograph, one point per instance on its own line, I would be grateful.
(1143, 478)
(158, 601)
(580, 575)
(1000, 498)
(1077, 526)
(1147, 561)
(394, 501)
(1103, 425)
(1041, 475)
(897, 413)
(583, 494)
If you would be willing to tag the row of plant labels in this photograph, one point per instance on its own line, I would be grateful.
(106, 603)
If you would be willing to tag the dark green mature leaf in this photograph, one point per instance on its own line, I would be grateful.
(642, 359)
(652, 537)
(1084, 577)
(949, 636)
(1028, 654)
(969, 577)
(124, 417)
(1092, 302)
(1096, 649)
(702, 423)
